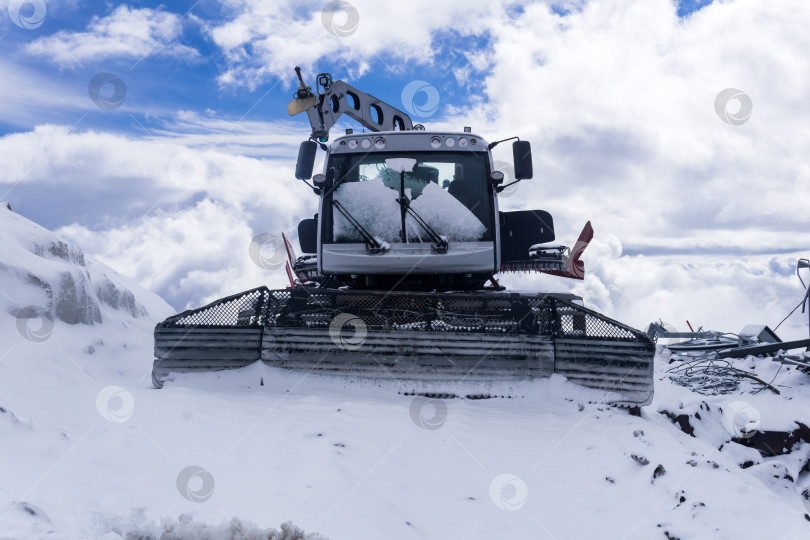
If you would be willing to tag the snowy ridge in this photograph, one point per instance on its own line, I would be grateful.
(41, 275)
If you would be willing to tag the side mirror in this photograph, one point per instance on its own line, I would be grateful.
(308, 235)
(306, 160)
(522, 158)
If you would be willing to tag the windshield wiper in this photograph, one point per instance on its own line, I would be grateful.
(440, 244)
(372, 245)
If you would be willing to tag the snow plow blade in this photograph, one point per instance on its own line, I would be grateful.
(479, 336)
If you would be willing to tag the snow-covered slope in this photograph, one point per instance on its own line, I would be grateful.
(88, 449)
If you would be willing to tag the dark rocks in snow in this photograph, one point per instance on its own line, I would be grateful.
(641, 460)
(610, 480)
(682, 420)
(659, 471)
(776, 443)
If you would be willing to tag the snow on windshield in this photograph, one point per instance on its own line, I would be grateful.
(373, 203)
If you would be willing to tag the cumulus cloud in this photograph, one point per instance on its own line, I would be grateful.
(717, 292)
(100, 178)
(617, 99)
(266, 39)
(188, 257)
(125, 33)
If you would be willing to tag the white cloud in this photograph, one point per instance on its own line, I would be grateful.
(105, 181)
(617, 99)
(125, 33)
(266, 39)
(190, 256)
(718, 292)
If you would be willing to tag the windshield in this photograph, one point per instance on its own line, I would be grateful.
(448, 190)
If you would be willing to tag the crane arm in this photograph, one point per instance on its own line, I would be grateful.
(339, 98)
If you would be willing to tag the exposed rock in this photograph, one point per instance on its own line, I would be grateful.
(74, 304)
(641, 460)
(122, 300)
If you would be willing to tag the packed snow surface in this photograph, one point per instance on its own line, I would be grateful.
(90, 450)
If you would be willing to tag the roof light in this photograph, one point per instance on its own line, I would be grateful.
(365, 143)
(462, 142)
(435, 142)
(450, 142)
(353, 144)
(349, 131)
(379, 144)
(467, 129)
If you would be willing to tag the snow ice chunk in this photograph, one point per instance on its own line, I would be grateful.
(374, 205)
(400, 164)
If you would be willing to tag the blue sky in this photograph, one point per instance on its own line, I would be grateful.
(618, 97)
(159, 85)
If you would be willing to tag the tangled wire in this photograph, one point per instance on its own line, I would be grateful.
(709, 376)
